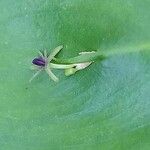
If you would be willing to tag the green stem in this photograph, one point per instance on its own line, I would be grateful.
(60, 66)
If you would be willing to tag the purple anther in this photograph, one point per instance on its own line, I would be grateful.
(39, 61)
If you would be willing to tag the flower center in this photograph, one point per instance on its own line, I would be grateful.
(40, 61)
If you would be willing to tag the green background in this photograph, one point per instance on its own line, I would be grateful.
(104, 107)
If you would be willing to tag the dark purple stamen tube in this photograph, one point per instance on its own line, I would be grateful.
(39, 61)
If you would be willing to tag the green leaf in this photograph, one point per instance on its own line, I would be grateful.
(105, 106)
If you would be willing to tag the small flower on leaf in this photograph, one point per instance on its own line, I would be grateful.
(48, 62)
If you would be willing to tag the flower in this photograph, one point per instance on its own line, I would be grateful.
(44, 62)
